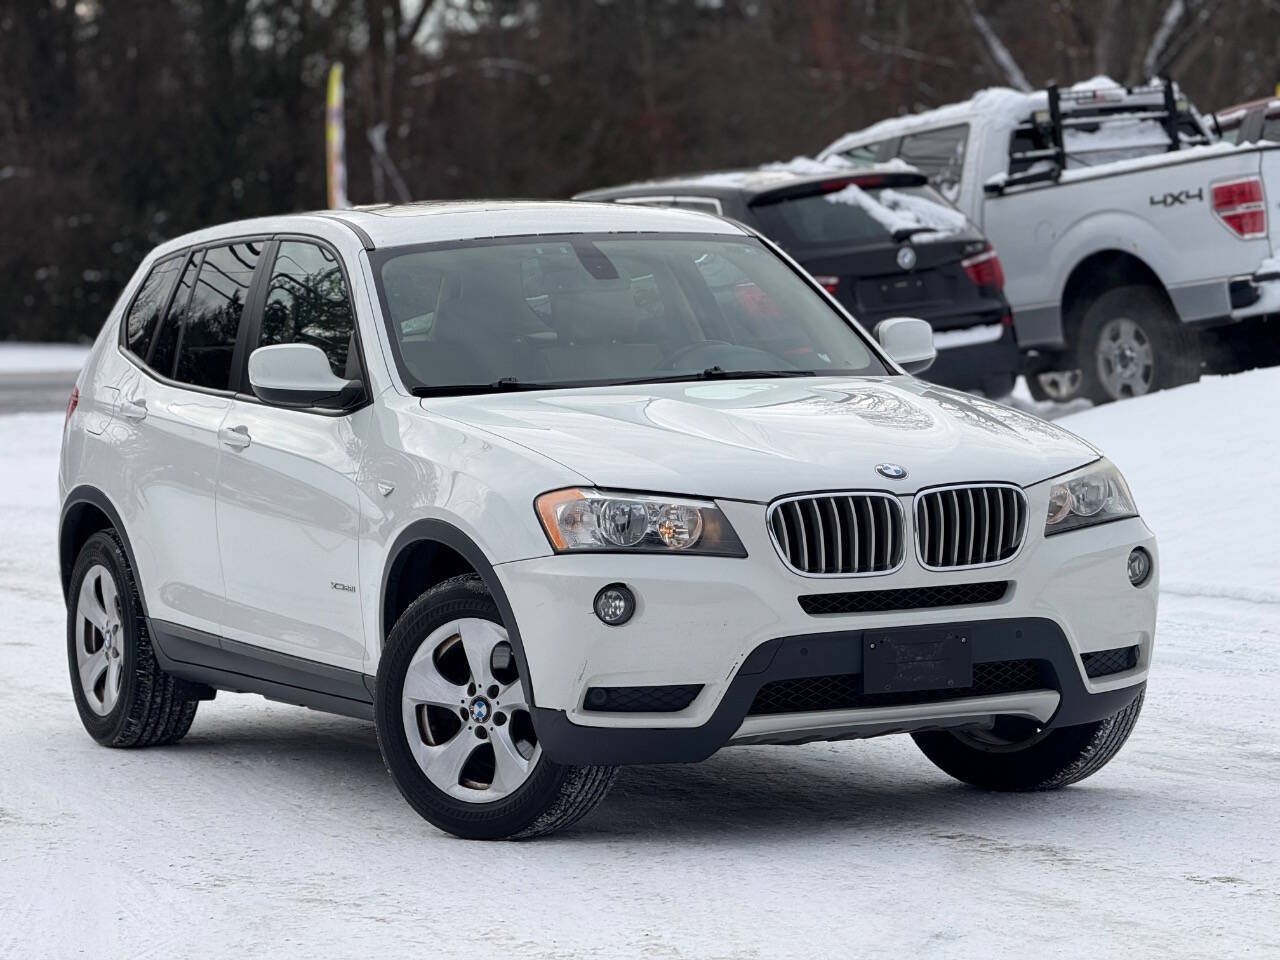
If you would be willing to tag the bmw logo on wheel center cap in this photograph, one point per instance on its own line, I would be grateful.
(891, 471)
(479, 709)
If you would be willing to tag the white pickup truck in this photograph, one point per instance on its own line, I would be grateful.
(1133, 239)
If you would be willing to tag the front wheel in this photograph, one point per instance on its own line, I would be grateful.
(455, 726)
(1018, 755)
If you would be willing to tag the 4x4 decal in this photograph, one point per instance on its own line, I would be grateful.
(1174, 199)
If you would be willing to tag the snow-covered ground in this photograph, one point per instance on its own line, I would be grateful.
(273, 830)
(42, 357)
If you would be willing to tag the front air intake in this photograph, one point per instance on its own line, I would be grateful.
(839, 534)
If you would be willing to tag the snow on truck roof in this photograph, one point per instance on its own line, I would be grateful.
(994, 105)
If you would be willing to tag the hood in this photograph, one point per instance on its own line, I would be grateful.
(760, 439)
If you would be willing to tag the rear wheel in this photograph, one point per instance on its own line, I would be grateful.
(1132, 343)
(1058, 386)
(455, 726)
(123, 697)
(1018, 755)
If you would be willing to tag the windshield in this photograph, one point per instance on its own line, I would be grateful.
(857, 215)
(606, 308)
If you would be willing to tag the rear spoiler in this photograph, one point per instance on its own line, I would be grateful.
(818, 186)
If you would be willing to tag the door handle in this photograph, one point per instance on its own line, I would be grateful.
(235, 437)
(133, 409)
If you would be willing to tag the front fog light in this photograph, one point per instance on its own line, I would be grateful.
(1139, 566)
(615, 604)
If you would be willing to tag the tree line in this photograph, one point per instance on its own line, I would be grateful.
(126, 122)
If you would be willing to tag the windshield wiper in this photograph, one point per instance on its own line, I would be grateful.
(719, 373)
(504, 385)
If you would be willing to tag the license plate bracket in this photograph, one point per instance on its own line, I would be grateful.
(916, 660)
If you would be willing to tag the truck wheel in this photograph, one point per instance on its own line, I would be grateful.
(123, 697)
(1016, 755)
(1131, 343)
(455, 729)
(1058, 386)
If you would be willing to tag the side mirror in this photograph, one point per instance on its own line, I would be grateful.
(908, 342)
(298, 375)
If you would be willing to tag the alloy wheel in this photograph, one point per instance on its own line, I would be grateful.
(1125, 358)
(1060, 385)
(465, 713)
(99, 640)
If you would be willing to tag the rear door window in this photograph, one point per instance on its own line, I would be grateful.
(939, 155)
(870, 152)
(148, 306)
(207, 341)
(307, 302)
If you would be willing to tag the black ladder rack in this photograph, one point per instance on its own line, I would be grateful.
(1042, 136)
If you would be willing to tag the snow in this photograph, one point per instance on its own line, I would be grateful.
(1002, 107)
(273, 825)
(42, 357)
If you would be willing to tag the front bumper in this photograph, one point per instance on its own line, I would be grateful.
(1257, 294)
(728, 625)
(1062, 700)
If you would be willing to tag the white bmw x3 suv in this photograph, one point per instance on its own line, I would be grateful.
(545, 488)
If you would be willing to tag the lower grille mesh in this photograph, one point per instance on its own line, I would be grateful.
(844, 691)
(1102, 663)
(665, 699)
(911, 598)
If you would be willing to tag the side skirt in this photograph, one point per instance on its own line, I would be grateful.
(241, 668)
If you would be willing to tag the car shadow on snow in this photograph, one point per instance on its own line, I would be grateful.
(753, 794)
(740, 795)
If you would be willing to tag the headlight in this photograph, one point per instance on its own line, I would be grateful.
(584, 519)
(1094, 494)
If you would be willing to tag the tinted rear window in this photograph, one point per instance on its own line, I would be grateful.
(853, 216)
(148, 305)
(165, 347)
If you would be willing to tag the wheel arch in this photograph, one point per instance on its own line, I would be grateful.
(85, 511)
(428, 552)
(1097, 273)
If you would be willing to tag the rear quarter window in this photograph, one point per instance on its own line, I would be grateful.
(148, 306)
(939, 155)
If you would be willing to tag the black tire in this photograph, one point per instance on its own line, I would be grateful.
(553, 797)
(1176, 353)
(153, 708)
(1049, 760)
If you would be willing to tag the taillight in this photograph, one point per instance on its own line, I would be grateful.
(829, 284)
(72, 402)
(984, 269)
(1240, 205)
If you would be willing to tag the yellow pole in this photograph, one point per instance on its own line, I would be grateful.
(335, 142)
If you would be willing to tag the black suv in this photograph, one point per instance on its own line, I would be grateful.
(883, 242)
